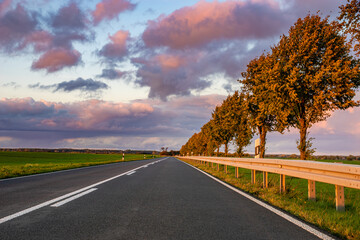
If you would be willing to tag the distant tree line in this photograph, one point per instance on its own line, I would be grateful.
(308, 74)
(71, 150)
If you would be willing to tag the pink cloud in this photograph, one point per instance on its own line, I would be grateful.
(57, 59)
(4, 6)
(23, 106)
(99, 114)
(169, 61)
(41, 40)
(340, 122)
(109, 9)
(84, 115)
(117, 48)
(208, 21)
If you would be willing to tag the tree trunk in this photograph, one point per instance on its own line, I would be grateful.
(262, 133)
(302, 142)
(226, 149)
(218, 150)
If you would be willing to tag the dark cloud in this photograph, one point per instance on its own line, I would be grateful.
(11, 85)
(175, 72)
(303, 7)
(88, 85)
(84, 85)
(70, 25)
(111, 74)
(15, 25)
(69, 18)
(168, 75)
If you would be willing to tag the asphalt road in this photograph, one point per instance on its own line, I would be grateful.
(164, 200)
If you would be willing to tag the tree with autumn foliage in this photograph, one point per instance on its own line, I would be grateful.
(350, 21)
(265, 114)
(314, 74)
(222, 128)
(211, 143)
(238, 112)
(230, 120)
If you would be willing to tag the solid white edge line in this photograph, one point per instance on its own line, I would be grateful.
(44, 204)
(58, 204)
(267, 206)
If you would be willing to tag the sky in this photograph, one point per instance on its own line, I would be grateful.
(126, 74)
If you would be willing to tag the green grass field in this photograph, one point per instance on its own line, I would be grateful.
(14, 164)
(321, 213)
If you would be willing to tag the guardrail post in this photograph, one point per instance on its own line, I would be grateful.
(265, 180)
(236, 172)
(282, 183)
(311, 190)
(225, 168)
(218, 167)
(340, 199)
(253, 176)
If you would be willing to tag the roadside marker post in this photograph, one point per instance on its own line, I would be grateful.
(311, 190)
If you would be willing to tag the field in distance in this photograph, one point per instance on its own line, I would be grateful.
(14, 164)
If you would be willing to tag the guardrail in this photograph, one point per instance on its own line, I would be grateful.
(341, 175)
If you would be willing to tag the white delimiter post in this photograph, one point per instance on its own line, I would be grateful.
(257, 155)
(257, 148)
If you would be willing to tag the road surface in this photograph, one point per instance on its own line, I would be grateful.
(151, 199)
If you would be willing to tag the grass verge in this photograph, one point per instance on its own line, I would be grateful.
(14, 164)
(321, 213)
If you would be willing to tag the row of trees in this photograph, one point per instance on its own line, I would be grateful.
(306, 76)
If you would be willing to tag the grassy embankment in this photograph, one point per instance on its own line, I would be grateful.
(321, 213)
(14, 164)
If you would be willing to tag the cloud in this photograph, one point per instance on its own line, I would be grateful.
(111, 74)
(70, 24)
(110, 9)
(52, 36)
(69, 18)
(193, 47)
(81, 84)
(303, 7)
(15, 26)
(11, 85)
(88, 85)
(85, 121)
(4, 5)
(182, 72)
(40, 40)
(205, 22)
(168, 75)
(116, 49)
(57, 59)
